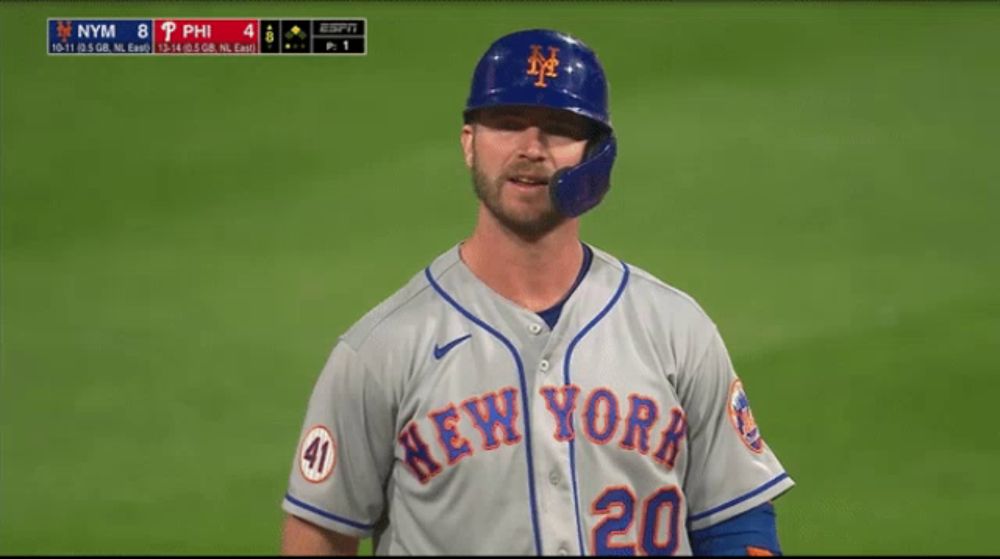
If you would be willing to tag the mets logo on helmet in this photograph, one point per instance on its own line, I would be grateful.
(542, 67)
(742, 418)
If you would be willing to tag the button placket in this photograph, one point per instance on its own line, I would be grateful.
(551, 465)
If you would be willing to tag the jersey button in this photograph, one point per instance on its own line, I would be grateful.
(534, 328)
(554, 477)
(544, 365)
(563, 551)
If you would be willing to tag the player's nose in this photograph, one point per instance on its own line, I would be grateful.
(531, 143)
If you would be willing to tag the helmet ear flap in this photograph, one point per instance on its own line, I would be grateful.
(598, 140)
(574, 190)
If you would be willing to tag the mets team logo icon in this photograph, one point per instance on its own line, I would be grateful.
(542, 67)
(742, 418)
(64, 29)
(317, 454)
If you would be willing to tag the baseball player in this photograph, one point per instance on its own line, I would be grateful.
(527, 393)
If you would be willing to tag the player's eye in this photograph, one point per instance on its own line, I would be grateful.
(567, 131)
(509, 123)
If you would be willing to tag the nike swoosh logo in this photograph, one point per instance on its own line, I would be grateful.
(440, 351)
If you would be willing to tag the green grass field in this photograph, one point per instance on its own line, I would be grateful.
(183, 239)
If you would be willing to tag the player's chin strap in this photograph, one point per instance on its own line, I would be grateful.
(574, 190)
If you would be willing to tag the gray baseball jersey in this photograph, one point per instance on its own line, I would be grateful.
(450, 420)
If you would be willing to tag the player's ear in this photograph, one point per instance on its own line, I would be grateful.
(467, 143)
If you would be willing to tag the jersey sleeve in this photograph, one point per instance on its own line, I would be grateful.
(731, 470)
(344, 454)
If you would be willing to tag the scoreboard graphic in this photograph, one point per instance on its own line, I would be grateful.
(207, 36)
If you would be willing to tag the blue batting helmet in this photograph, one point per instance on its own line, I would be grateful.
(541, 67)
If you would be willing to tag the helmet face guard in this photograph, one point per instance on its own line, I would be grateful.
(546, 68)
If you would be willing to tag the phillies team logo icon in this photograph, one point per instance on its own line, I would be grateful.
(742, 418)
(542, 67)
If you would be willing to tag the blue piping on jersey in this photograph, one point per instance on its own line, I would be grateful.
(739, 499)
(325, 514)
(569, 355)
(524, 399)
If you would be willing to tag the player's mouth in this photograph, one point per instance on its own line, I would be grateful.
(528, 181)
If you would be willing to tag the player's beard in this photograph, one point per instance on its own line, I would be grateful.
(528, 224)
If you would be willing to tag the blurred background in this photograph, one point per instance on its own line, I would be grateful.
(184, 238)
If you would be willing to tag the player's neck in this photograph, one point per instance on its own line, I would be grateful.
(536, 274)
